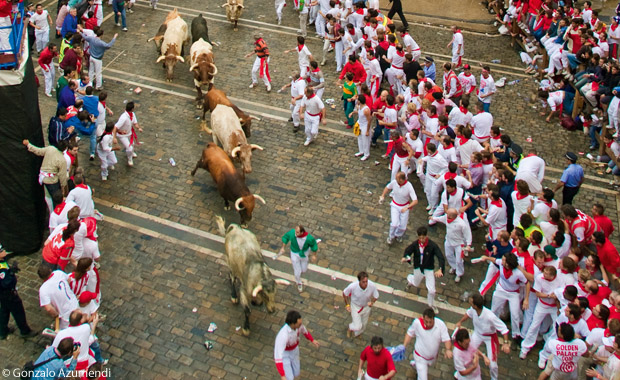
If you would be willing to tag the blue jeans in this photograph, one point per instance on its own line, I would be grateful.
(593, 132)
(93, 141)
(348, 108)
(97, 351)
(486, 107)
(572, 60)
(123, 21)
(377, 133)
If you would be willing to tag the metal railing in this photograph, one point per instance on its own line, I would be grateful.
(11, 35)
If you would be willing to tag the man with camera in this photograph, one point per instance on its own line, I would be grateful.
(10, 303)
(51, 365)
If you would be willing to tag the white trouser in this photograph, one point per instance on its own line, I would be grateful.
(338, 48)
(399, 164)
(454, 255)
(107, 159)
(416, 54)
(313, 13)
(375, 87)
(421, 366)
(416, 278)
(49, 76)
(256, 71)
(392, 75)
(94, 72)
(290, 362)
(363, 142)
(434, 194)
(300, 265)
(124, 140)
(528, 315)
(456, 60)
(4, 34)
(311, 125)
(359, 318)
(556, 62)
(42, 38)
(477, 340)
(64, 323)
(428, 185)
(319, 92)
(279, 8)
(540, 313)
(399, 220)
(319, 23)
(500, 297)
(490, 279)
(367, 377)
(326, 44)
(295, 112)
(303, 20)
(304, 71)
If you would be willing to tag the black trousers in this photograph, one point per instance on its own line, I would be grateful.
(11, 304)
(398, 9)
(568, 193)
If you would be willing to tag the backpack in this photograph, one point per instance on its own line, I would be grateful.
(29, 367)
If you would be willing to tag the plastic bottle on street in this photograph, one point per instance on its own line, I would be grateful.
(496, 61)
(171, 160)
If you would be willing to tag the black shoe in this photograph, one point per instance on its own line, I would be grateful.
(29, 334)
(290, 120)
(295, 129)
(9, 330)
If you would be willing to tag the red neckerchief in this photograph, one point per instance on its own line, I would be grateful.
(487, 162)
(423, 325)
(130, 115)
(462, 140)
(102, 103)
(400, 53)
(422, 247)
(553, 279)
(467, 75)
(507, 273)
(463, 109)
(403, 184)
(609, 144)
(457, 345)
(450, 220)
(390, 107)
(549, 204)
(440, 101)
(478, 165)
(311, 96)
(351, 32)
(574, 322)
(82, 186)
(521, 196)
(613, 28)
(448, 146)
(617, 355)
(434, 154)
(449, 175)
(299, 48)
(317, 70)
(434, 116)
(497, 137)
(58, 209)
(452, 193)
(457, 31)
(529, 155)
(479, 112)
(564, 271)
(303, 235)
(497, 203)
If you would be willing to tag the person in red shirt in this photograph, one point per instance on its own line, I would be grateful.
(90, 21)
(607, 253)
(379, 361)
(46, 61)
(59, 247)
(599, 317)
(378, 106)
(354, 66)
(597, 293)
(598, 214)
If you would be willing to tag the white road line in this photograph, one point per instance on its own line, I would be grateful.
(219, 259)
(271, 27)
(315, 268)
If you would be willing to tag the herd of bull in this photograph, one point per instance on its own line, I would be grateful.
(231, 128)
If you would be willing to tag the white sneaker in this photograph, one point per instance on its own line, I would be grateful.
(269, 87)
(253, 85)
(522, 355)
(134, 155)
(364, 158)
(542, 363)
(307, 142)
(389, 240)
(130, 161)
(358, 154)
(452, 271)
(111, 167)
(48, 95)
(399, 239)
(279, 22)
(457, 279)
(300, 288)
(590, 157)
(428, 207)
(104, 177)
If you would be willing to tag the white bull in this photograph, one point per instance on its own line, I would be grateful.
(202, 66)
(233, 11)
(227, 130)
(177, 34)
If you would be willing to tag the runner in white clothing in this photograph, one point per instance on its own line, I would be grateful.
(532, 170)
(312, 111)
(41, 21)
(286, 347)
(55, 295)
(403, 200)
(409, 43)
(566, 351)
(82, 195)
(364, 121)
(298, 87)
(481, 124)
(105, 151)
(359, 298)
(430, 332)
(457, 47)
(467, 357)
(303, 56)
(458, 238)
(486, 327)
(125, 131)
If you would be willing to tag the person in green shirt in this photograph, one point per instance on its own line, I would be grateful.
(349, 96)
(301, 243)
(63, 81)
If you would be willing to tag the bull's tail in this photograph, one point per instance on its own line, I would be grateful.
(221, 226)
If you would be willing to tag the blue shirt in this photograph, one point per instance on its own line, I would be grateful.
(91, 104)
(572, 176)
(84, 127)
(54, 369)
(69, 25)
(429, 71)
(67, 97)
(96, 46)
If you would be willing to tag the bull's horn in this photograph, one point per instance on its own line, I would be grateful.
(254, 146)
(259, 198)
(237, 202)
(221, 226)
(240, 5)
(281, 281)
(161, 58)
(179, 58)
(254, 117)
(193, 67)
(257, 290)
(214, 69)
(235, 151)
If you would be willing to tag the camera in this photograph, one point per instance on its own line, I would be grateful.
(76, 345)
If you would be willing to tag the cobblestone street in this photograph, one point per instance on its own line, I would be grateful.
(161, 253)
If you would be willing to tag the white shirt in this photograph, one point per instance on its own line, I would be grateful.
(435, 164)
(520, 206)
(463, 359)
(106, 144)
(360, 297)
(487, 322)
(457, 117)
(416, 145)
(487, 86)
(427, 342)
(457, 45)
(374, 70)
(57, 219)
(314, 105)
(83, 198)
(457, 231)
(460, 182)
(482, 123)
(56, 291)
(409, 43)
(303, 56)
(548, 229)
(468, 82)
(465, 150)
(455, 201)
(541, 211)
(40, 20)
(125, 123)
(497, 216)
(402, 195)
(512, 283)
(449, 154)
(566, 354)
(298, 87)
(532, 165)
(542, 285)
(80, 334)
(287, 337)
(581, 327)
(555, 100)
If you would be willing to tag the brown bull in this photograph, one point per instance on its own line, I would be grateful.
(230, 182)
(215, 97)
